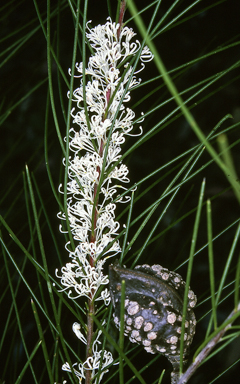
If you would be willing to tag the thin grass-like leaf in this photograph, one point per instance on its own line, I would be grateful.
(161, 376)
(171, 199)
(225, 371)
(221, 327)
(189, 270)
(211, 267)
(227, 265)
(201, 77)
(44, 347)
(237, 285)
(228, 160)
(29, 360)
(189, 117)
(118, 349)
(20, 328)
(127, 228)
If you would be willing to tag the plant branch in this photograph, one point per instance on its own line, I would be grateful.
(208, 348)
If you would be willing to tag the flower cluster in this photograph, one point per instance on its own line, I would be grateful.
(92, 363)
(94, 167)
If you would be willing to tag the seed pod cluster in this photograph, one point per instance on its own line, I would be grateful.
(153, 309)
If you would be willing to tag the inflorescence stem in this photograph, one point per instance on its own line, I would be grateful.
(91, 309)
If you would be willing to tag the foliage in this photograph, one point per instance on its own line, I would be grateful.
(184, 213)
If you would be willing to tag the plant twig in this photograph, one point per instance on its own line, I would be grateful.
(207, 349)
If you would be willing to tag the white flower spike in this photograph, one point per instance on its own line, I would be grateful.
(90, 206)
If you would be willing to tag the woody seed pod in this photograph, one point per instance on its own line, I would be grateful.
(153, 309)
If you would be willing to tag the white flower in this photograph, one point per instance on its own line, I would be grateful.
(95, 172)
(80, 275)
(91, 363)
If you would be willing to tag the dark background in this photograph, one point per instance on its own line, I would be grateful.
(22, 134)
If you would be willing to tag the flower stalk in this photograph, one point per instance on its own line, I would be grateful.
(96, 174)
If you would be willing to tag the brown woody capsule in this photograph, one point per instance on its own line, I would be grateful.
(153, 309)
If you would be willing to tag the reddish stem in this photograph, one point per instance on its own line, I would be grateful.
(121, 16)
(91, 309)
(90, 333)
